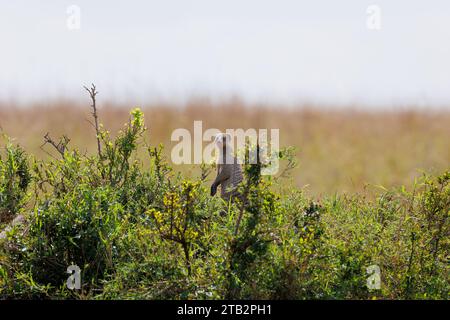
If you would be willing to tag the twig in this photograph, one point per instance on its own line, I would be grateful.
(251, 180)
(93, 93)
(61, 146)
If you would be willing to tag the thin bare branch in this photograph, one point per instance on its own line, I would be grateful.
(93, 93)
(60, 146)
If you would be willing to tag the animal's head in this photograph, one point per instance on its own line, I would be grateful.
(222, 139)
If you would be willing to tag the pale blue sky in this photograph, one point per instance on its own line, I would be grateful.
(274, 50)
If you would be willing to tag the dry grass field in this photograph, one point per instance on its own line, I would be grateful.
(338, 150)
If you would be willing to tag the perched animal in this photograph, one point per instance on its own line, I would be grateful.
(229, 172)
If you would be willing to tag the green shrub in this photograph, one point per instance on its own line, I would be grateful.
(151, 234)
(14, 180)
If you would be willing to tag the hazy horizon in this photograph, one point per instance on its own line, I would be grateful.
(279, 52)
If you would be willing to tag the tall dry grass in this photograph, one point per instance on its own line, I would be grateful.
(338, 150)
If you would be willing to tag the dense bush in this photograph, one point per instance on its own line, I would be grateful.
(14, 180)
(151, 234)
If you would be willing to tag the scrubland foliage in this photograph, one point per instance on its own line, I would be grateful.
(149, 233)
(14, 180)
